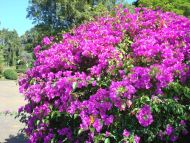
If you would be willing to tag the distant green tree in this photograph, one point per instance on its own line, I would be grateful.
(181, 7)
(33, 36)
(1, 60)
(62, 14)
(10, 45)
(1, 55)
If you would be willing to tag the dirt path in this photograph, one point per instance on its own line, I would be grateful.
(10, 100)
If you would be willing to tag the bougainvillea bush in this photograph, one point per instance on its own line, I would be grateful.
(122, 78)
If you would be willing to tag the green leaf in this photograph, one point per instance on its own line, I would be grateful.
(55, 114)
(80, 131)
(38, 122)
(92, 129)
(187, 92)
(74, 85)
(107, 140)
(75, 116)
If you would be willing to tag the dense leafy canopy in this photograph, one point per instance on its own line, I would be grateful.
(121, 78)
(64, 13)
(34, 36)
(181, 7)
(10, 46)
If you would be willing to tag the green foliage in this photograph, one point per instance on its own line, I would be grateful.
(34, 36)
(64, 14)
(178, 89)
(181, 7)
(10, 74)
(1, 70)
(1, 61)
(1, 55)
(21, 68)
(24, 62)
(10, 46)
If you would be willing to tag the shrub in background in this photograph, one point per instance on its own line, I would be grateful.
(10, 74)
(118, 79)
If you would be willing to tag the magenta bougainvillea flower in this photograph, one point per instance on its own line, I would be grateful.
(137, 139)
(169, 130)
(144, 116)
(46, 41)
(126, 133)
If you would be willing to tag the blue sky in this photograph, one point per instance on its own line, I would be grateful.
(130, 1)
(13, 15)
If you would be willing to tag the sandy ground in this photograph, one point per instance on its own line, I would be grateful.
(10, 100)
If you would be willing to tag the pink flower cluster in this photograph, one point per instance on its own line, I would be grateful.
(144, 116)
(84, 82)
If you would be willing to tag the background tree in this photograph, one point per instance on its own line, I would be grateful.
(1, 60)
(60, 14)
(181, 7)
(11, 46)
(33, 36)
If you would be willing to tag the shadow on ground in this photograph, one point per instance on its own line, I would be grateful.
(19, 138)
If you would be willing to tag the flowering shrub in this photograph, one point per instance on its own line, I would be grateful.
(118, 79)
